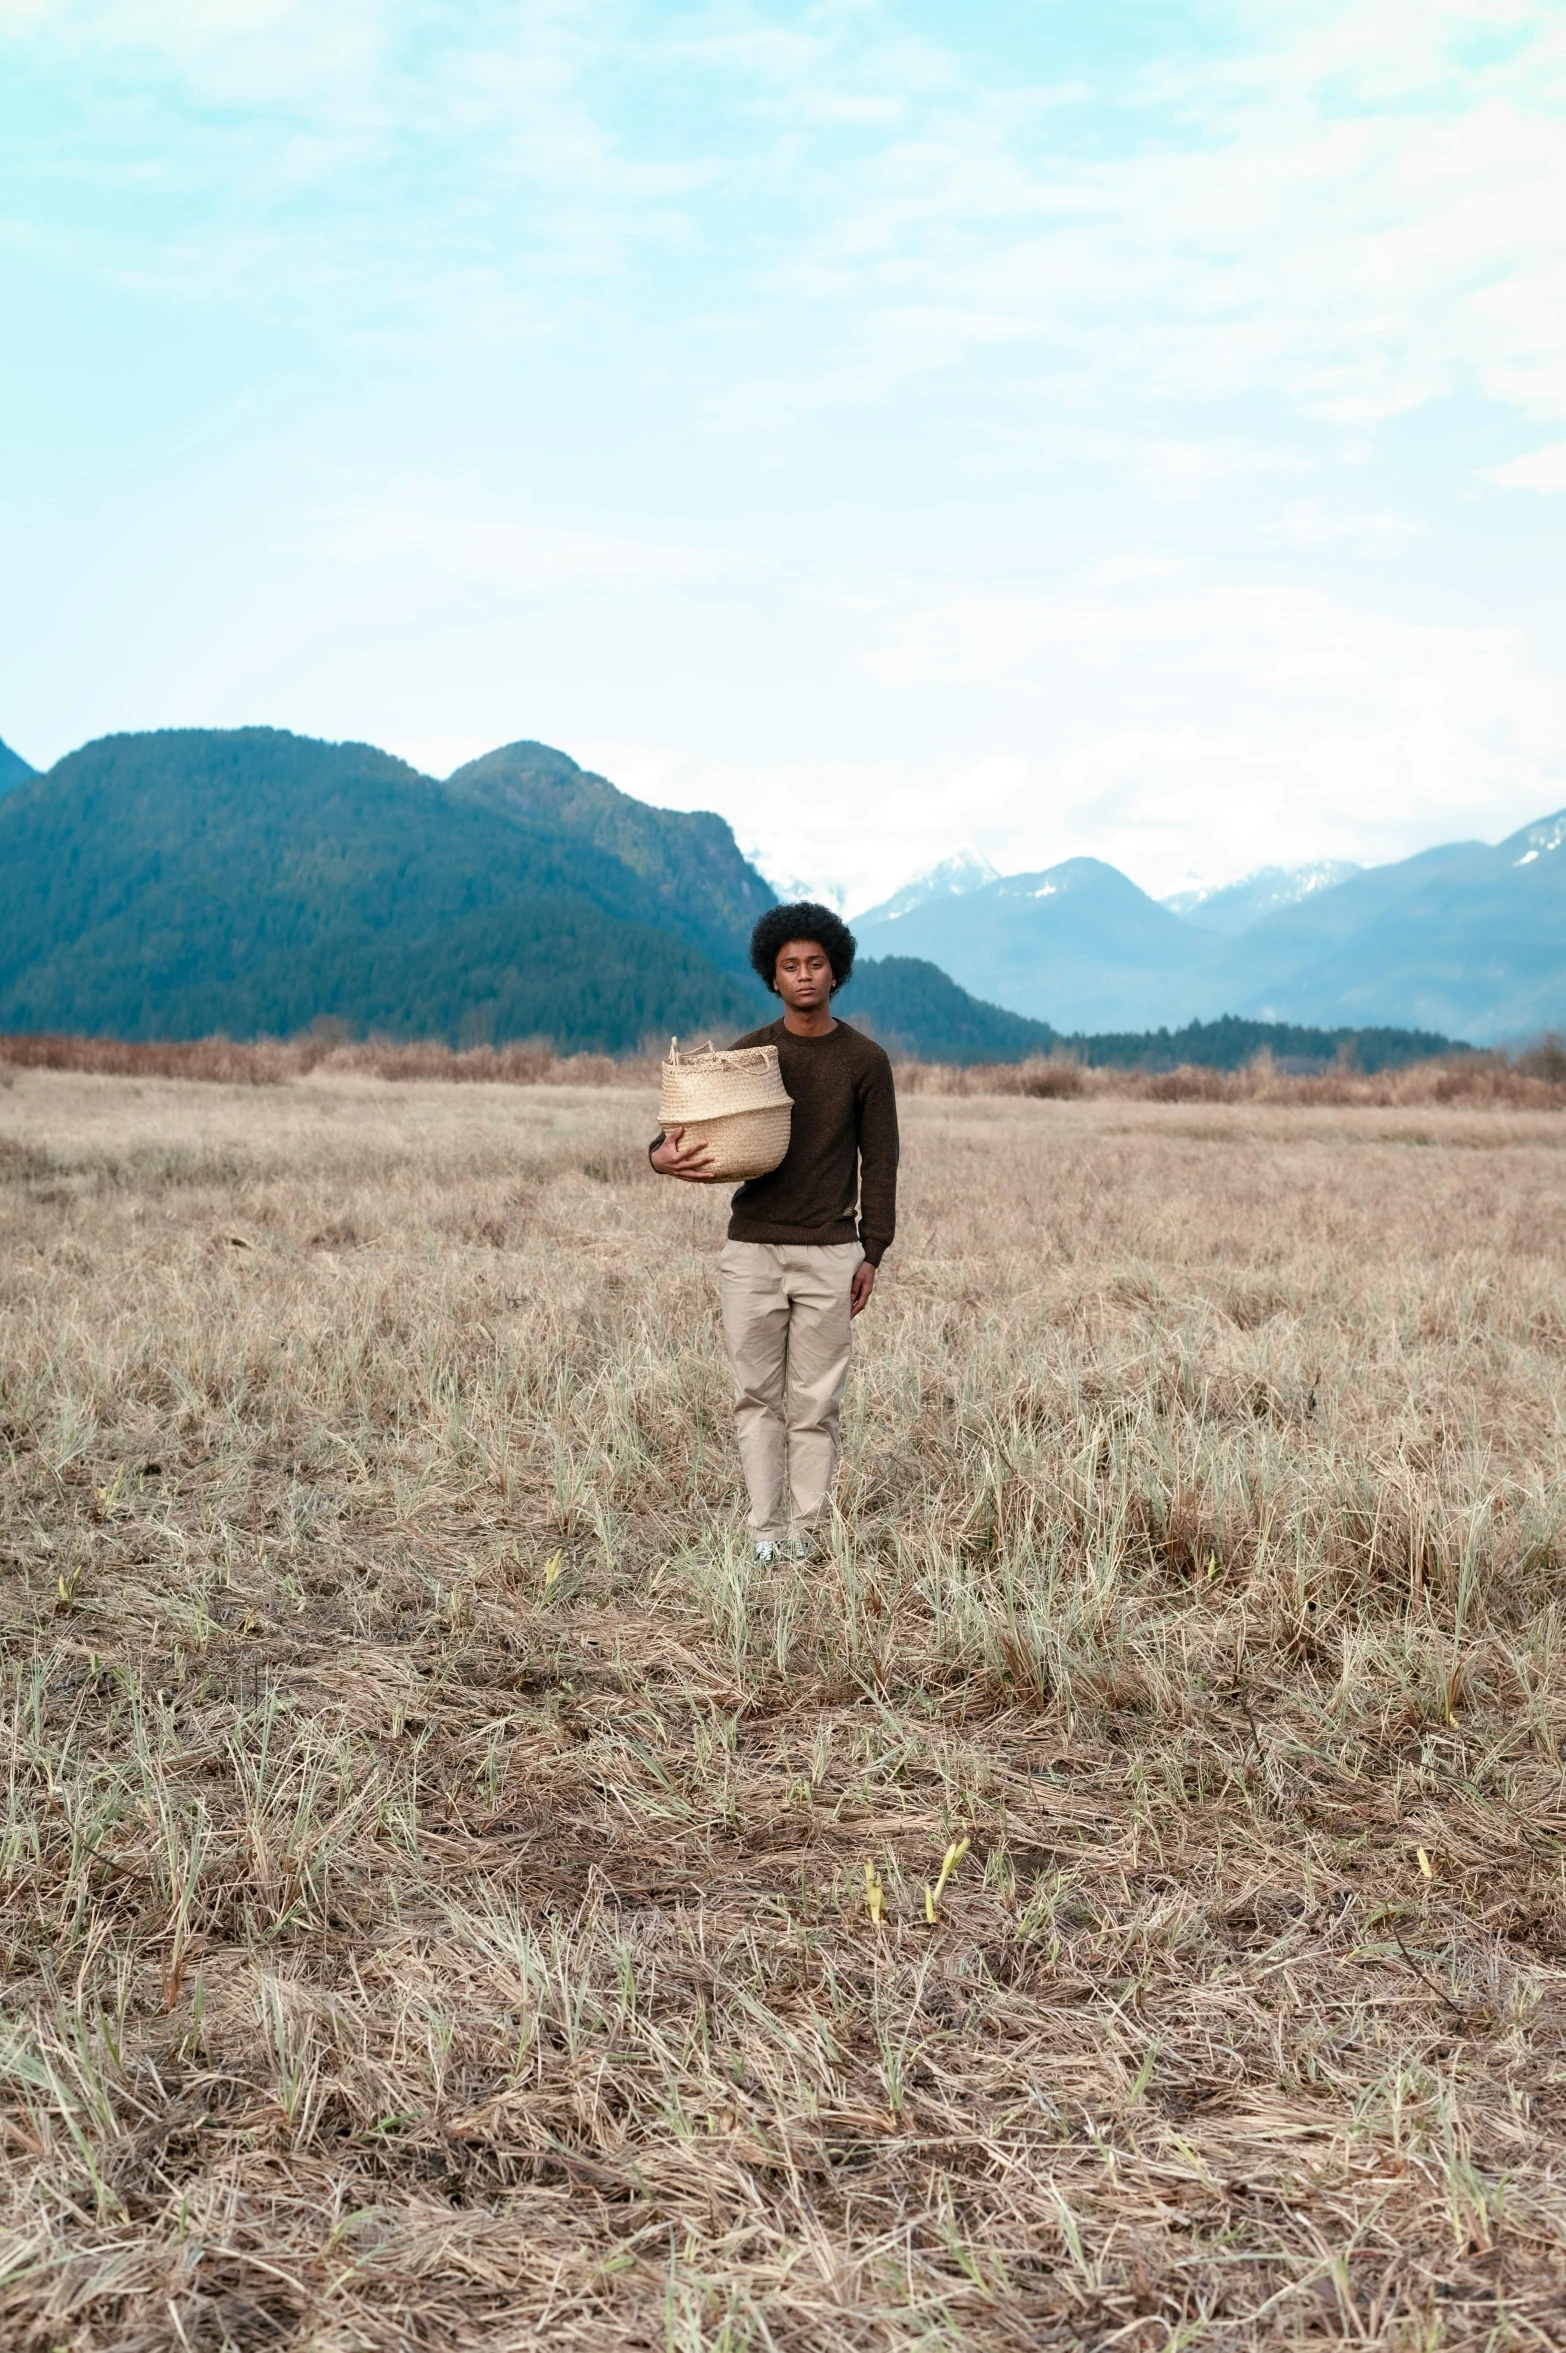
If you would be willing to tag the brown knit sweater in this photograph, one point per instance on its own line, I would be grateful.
(845, 1111)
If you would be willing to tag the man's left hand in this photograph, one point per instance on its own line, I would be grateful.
(860, 1288)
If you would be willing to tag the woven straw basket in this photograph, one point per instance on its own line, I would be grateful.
(733, 1103)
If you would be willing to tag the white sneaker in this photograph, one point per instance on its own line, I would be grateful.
(766, 1550)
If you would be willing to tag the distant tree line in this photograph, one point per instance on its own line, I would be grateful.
(1229, 1043)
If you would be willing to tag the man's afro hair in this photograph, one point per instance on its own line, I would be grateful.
(802, 919)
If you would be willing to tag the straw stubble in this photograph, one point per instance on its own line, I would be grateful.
(451, 1900)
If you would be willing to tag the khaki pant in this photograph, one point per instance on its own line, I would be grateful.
(786, 1327)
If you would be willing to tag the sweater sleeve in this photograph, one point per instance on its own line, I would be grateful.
(877, 1159)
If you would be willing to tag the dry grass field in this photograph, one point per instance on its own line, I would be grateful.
(452, 1899)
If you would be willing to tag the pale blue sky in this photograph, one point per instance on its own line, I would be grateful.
(1060, 427)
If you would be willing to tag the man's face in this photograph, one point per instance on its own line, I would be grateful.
(803, 973)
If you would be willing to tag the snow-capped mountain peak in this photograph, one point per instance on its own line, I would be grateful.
(965, 870)
(1233, 907)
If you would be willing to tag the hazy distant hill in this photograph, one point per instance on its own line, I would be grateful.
(1078, 946)
(1468, 940)
(1237, 905)
(13, 769)
(952, 878)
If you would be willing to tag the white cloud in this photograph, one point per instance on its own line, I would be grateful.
(524, 556)
(438, 755)
(1123, 616)
(1295, 724)
(1541, 469)
(253, 52)
(1186, 469)
(1345, 212)
(1134, 570)
(825, 828)
(1309, 524)
(1480, 753)
(1352, 207)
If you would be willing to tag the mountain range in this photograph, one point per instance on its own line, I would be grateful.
(1467, 940)
(251, 881)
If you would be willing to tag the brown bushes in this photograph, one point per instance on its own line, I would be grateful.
(1546, 1059)
(203, 1058)
(1534, 1081)
(270, 1062)
(1476, 1081)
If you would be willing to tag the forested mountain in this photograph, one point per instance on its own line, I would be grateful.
(913, 1008)
(252, 881)
(13, 769)
(688, 863)
(195, 880)
(553, 967)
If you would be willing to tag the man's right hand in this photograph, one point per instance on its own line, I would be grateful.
(672, 1158)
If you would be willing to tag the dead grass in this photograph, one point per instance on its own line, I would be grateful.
(440, 1875)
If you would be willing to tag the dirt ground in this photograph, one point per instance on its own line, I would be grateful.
(453, 1898)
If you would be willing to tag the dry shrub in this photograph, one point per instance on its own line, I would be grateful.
(272, 1062)
(1054, 1079)
(1535, 1081)
(219, 1059)
(1476, 1080)
(532, 1063)
(1546, 1059)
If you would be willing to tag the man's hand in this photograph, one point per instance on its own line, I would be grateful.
(673, 1159)
(860, 1288)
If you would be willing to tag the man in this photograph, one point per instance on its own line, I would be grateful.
(797, 1268)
